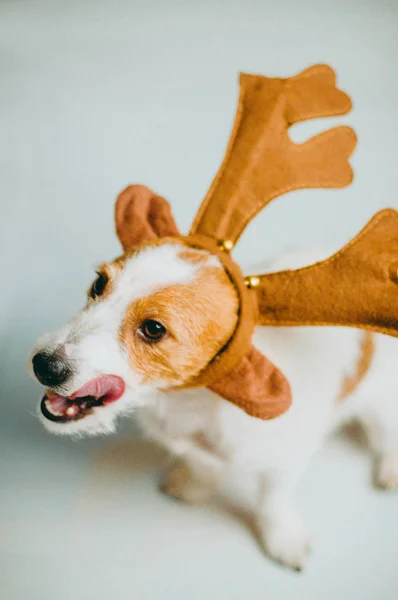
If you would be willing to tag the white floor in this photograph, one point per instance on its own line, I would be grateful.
(94, 95)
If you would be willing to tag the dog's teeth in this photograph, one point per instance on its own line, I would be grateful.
(72, 410)
(51, 409)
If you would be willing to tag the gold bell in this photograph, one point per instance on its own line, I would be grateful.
(252, 282)
(226, 245)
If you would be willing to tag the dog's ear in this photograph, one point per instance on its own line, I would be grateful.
(257, 386)
(141, 215)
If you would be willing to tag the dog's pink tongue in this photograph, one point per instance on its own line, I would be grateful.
(107, 387)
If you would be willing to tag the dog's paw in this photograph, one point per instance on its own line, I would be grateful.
(287, 542)
(387, 471)
(181, 484)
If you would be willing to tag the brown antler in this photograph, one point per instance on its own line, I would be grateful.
(261, 161)
(356, 287)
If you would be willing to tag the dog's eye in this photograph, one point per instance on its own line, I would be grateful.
(99, 285)
(152, 331)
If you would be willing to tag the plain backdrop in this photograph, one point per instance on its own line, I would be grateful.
(98, 94)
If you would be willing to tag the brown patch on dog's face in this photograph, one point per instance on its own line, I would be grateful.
(199, 318)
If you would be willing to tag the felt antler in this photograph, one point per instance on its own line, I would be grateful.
(355, 287)
(261, 162)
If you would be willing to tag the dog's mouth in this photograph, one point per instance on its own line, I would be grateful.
(101, 391)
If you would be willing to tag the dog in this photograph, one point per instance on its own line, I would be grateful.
(153, 319)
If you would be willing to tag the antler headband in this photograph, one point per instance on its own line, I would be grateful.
(356, 287)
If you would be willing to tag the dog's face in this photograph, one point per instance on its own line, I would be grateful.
(154, 318)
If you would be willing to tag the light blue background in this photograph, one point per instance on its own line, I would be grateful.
(95, 95)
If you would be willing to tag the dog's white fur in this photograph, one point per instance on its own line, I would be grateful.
(207, 433)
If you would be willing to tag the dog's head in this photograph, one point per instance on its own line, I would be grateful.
(155, 317)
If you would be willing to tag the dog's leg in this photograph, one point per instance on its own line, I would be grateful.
(194, 475)
(283, 533)
(381, 424)
(387, 470)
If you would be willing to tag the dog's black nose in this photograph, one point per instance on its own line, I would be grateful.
(50, 369)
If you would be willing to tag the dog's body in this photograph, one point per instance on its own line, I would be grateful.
(208, 434)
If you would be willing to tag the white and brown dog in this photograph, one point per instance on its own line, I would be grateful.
(153, 319)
